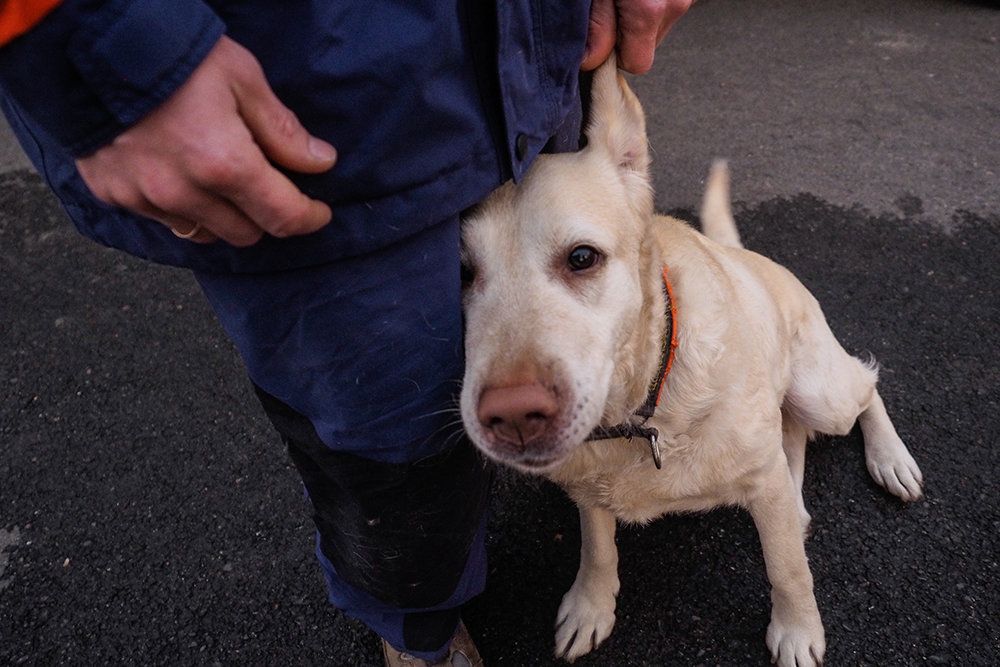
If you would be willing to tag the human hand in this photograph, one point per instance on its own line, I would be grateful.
(636, 26)
(199, 162)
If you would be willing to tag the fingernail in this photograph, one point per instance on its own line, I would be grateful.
(321, 150)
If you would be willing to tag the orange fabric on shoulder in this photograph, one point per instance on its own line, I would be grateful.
(19, 16)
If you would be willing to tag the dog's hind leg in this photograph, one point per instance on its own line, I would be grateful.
(793, 441)
(888, 460)
(831, 390)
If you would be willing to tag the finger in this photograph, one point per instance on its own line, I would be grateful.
(638, 29)
(220, 219)
(240, 173)
(635, 52)
(642, 26)
(276, 129)
(601, 34)
(183, 228)
(194, 232)
(268, 198)
(182, 205)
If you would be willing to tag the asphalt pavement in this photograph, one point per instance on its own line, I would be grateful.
(149, 515)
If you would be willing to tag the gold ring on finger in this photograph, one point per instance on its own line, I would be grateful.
(189, 233)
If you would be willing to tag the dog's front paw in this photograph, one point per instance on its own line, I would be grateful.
(585, 619)
(800, 643)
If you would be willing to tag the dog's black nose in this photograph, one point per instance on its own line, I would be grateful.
(519, 415)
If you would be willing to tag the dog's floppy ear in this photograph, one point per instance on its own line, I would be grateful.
(618, 126)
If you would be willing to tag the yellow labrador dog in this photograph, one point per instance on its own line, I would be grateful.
(601, 337)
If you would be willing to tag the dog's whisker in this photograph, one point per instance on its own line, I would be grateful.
(456, 409)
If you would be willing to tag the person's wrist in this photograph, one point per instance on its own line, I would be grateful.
(134, 59)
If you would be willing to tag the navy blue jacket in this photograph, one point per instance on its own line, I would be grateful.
(430, 104)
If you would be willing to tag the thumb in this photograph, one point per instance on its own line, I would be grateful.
(601, 35)
(276, 129)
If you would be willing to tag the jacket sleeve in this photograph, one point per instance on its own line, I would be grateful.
(91, 68)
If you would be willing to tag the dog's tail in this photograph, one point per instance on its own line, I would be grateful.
(717, 221)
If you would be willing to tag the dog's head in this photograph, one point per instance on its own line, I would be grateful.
(554, 273)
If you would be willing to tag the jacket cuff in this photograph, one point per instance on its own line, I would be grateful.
(91, 69)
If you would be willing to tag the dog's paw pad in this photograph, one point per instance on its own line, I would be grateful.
(583, 622)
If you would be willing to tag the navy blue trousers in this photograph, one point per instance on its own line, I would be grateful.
(358, 363)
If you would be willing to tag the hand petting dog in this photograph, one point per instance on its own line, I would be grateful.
(635, 27)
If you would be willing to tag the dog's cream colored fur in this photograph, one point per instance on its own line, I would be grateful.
(757, 370)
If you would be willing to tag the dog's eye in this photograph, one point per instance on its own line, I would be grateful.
(582, 257)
